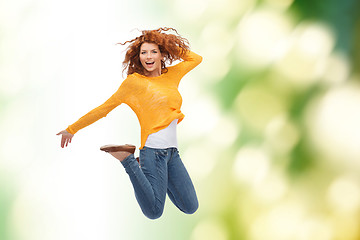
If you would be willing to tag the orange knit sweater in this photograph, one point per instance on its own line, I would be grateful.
(155, 100)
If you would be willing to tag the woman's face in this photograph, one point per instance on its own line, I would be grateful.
(150, 58)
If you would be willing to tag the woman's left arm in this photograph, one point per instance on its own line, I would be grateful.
(191, 60)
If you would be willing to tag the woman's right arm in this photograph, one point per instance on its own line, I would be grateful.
(95, 114)
(92, 116)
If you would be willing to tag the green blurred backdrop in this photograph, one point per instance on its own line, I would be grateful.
(271, 136)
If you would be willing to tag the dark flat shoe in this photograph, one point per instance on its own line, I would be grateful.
(119, 148)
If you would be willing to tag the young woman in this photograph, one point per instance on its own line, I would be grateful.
(151, 91)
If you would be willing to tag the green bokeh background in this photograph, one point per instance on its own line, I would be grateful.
(271, 136)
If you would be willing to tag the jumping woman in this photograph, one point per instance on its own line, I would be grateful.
(151, 91)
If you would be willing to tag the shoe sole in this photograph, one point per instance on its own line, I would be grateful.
(118, 148)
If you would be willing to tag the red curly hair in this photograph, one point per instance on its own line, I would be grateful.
(172, 46)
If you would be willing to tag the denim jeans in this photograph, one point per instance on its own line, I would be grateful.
(160, 171)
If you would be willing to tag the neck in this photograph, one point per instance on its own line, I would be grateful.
(153, 73)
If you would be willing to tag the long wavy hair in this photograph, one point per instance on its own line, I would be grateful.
(172, 46)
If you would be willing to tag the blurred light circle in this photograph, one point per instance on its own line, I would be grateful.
(333, 121)
(281, 135)
(257, 105)
(344, 195)
(271, 188)
(337, 69)
(304, 55)
(251, 165)
(260, 34)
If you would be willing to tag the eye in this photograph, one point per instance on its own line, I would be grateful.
(154, 51)
(143, 52)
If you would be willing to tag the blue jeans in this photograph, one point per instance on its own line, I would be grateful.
(160, 171)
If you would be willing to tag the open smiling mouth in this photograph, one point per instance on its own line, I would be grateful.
(150, 64)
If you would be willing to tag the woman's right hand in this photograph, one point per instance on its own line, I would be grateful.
(65, 138)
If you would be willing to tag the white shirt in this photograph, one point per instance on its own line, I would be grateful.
(165, 138)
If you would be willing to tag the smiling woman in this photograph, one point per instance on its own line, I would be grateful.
(172, 47)
(151, 91)
(150, 58)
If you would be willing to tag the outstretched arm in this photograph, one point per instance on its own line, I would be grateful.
(91, 117)
(97, 113)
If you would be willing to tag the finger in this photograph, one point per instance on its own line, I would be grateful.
(61, 132)
(62, 141)
(68, 141)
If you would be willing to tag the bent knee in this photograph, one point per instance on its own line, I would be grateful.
(154, 214)
(191, 209)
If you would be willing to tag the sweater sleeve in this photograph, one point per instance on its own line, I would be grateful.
(190, 61)
(98, 112)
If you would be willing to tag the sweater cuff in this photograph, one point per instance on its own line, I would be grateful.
(70, 131)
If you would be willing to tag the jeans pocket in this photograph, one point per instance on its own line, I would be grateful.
(161, 153)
